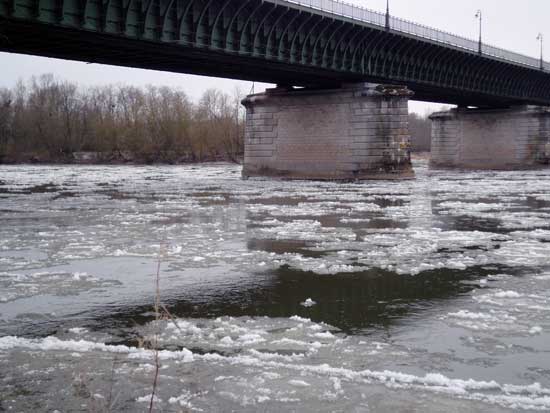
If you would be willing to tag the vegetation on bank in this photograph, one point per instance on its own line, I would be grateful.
(420, 128)
(49, 120)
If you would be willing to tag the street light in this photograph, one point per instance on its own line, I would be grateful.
(387, 14)
(479, 16)
(541, 38)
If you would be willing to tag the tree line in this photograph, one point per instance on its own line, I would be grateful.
(420, 128)
(50, 120)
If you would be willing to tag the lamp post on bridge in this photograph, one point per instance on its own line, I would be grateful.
(387, 14)
(540, 37)
(479, 16)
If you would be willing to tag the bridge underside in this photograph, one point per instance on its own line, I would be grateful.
(263, 41)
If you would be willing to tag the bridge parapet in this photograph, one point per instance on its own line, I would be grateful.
(362, 14)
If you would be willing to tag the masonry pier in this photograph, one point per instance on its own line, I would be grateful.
(511, 138)
(354, 132)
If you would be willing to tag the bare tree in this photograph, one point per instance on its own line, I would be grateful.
(51, 120)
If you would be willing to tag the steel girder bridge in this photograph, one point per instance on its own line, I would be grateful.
(313, 43)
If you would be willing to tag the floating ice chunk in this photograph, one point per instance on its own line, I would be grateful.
(147, 399)
(251, 338)
(300, 319)
(471, 316)
(227, 341)
(271, 376)
(78, 275)
(308, 303)
(220, 378)
(78, 330)
(535, 330)
(507, 294)
(299, 383)
(337, 384)
(326, 334)
(82, 346)
(183, 400)
(198, 259)
(176, 249)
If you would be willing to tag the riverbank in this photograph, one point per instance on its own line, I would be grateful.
(114, 158)
(130, 158)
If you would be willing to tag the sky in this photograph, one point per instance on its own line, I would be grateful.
(510, 24)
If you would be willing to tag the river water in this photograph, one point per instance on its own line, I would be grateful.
(416, 296)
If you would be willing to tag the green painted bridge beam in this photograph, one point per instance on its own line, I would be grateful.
(266, 41)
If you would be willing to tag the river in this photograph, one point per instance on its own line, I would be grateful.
(426, 295)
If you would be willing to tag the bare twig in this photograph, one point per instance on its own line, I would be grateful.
(110, 401)
(171, 317)
(155, 337)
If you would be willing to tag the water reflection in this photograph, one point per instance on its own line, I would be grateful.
(355, 303)
(352, 302)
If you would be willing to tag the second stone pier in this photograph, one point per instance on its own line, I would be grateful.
(352, 133)
(511, 138)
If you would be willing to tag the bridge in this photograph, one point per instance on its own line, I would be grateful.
(317, 44)
(302, 43)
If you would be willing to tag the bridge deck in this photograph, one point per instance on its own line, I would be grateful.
(272, 41)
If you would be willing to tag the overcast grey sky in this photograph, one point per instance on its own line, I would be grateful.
(510, 24)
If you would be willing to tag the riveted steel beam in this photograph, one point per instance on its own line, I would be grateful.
(329, 40)
(105, 5)
(398, 59)
(320, 37)
(200, 29)
(478, 76)
(389, 54)
(245, 25)
(281, 48)
(359, 54)
(377, 58)
(351, 42)
(274, 26)
(303, 54)
(338, 46)
(182, 17)
(450, 67)
(368, 47)
(299, 31)
(164, 16)
(217, 36)
(357, 46)
(229, 29)
(261, 26)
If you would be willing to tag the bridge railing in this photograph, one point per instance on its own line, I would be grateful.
(354, 12)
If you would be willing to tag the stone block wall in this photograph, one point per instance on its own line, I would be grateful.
(357, 132)
(492, 138)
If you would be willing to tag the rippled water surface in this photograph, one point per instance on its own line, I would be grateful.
(427, 295)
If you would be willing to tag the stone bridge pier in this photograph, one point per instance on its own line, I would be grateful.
(356, 132)
(512, 138)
